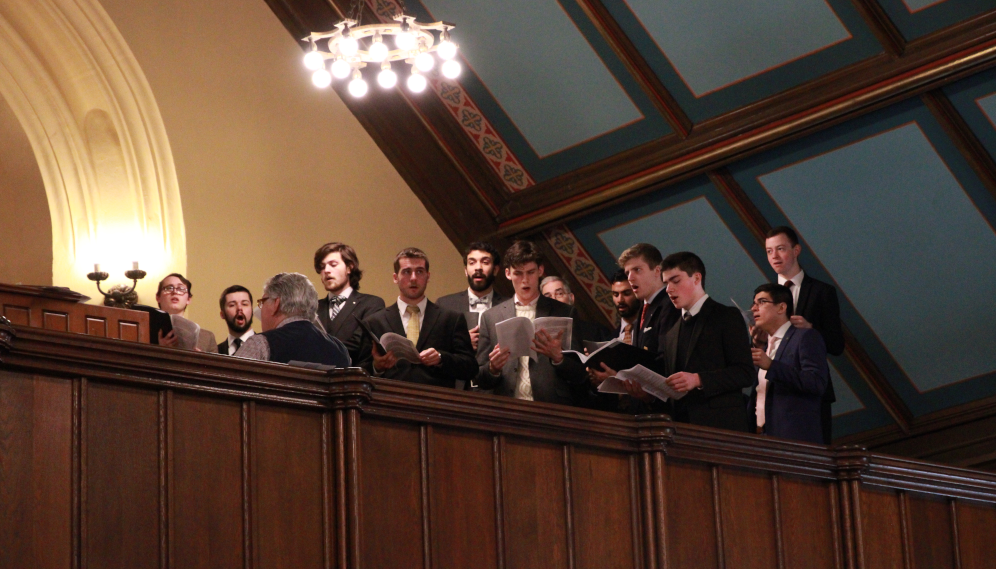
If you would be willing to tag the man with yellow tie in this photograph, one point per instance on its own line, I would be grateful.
(439, 335)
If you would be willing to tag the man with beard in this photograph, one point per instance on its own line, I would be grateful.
(481, 263)
(439, 335)
(340, 271)
(236, 311)
(629, 308)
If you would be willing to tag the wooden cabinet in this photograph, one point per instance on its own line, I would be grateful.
(54, 309)
(122, 455)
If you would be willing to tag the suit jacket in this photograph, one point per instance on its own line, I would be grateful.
(565, 383)
(719, 351)
(345, 327)
(459, 302)
(818, 304)
(442, 329)
(223, 347)
(797, 379)
(660, 316)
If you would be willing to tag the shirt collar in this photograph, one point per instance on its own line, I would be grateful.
(403, 306)
(290, 319)
(782, 330)
(694, 310)
(471, 295)
(243, 337)
(654, 296)
(797, 279)
(531, 304)
(345, 292)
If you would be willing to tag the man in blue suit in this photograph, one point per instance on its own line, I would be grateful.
(792, 374)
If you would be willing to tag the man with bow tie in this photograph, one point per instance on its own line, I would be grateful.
(481, 263)
(340, 271)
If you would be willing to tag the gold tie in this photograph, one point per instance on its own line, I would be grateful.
(628, 334)
(412, 329)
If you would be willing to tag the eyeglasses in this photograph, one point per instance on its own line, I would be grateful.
(761, 301)
(259, 303)
(178, 290)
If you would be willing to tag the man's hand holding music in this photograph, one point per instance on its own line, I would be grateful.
(549, 345)
(684, 381)
(497, 359)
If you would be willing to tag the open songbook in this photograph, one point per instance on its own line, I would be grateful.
(651, 382)
(400, 346)
(517, 333)
(615, 354)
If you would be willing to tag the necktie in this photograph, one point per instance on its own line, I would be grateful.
(762, 385)
(474, 302)
(628, 334)
(335, 305)
(686, 316)
(790, 284)
(412, 329)
(643, 315)
(237, 343)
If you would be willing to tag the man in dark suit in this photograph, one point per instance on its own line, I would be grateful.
(792, 373)
(815, 304)
(287, 311)
(629, 308)
(236, 311)
(707, 353)
(439, 335)
(339, 268)
(551, 377)
(481, 263)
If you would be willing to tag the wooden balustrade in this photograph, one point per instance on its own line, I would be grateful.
(114, 454)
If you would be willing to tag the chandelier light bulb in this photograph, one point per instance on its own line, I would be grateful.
(340, 69)
(387, 78)
(358, 87)
(447, 49)
(451, 69)
(425, 62)
(378, 49)
(416, 82)
(321, 78)
(405, 41)
(313, 60)
(348, 46)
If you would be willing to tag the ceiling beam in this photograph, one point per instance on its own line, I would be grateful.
(881, 25)
(866, 86)
(964, 138)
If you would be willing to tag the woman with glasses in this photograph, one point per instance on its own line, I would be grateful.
(173, 296)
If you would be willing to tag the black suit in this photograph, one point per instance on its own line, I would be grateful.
(345, 327)
(566, 383)
(657, 320)
(719, 351)
(818, 304)
(442, 329)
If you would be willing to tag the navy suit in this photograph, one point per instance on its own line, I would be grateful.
(818, 304)
(797, 380)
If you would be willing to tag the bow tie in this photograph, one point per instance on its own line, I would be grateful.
(339, 299)
(478, 302)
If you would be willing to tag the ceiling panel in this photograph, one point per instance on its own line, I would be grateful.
(975, 100)
(917, 18)
(547, 81)
(716, 55)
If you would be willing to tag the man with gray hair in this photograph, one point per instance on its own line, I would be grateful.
(290, 333)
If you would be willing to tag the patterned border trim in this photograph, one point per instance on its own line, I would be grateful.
(470, 118)
(594, 281)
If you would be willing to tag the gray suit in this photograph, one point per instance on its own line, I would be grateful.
(566, 383)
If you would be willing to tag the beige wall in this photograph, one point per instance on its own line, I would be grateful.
(269, 167)
(25, 224)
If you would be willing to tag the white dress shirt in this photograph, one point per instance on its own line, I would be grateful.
(405, 317)
(796, 288)
(480, 308)
(694, 310)
(774, 341)
(243, 337)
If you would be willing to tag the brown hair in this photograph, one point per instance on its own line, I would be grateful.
(522, 253)
(230, 290)
(785, 230)
(644, 251)
(348, 255)
(686, 262)
(186, 283)
(410, 253)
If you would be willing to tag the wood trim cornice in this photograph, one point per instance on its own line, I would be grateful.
(881, 25)
(967, 143)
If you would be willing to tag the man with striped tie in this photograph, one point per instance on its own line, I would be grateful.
(340, 271)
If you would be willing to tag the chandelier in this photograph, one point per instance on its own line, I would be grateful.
(413, 44)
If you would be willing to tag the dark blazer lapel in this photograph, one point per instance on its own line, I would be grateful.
(428, 321)
(704, 314)
(344, 312)
(393, 315)
(672, 347)
(785, 341)
(543, 307)
(804, 293)
(323, 313)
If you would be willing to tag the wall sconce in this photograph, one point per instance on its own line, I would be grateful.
(118, 295)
